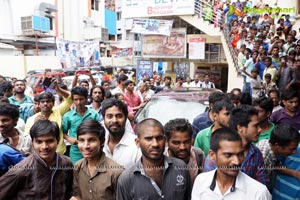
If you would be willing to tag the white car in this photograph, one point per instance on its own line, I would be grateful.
(69, 79)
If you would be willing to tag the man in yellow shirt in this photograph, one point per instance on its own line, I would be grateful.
(48, 111)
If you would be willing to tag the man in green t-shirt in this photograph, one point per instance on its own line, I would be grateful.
(220, 111)
(264, 106)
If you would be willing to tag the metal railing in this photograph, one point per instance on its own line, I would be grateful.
(216, 17)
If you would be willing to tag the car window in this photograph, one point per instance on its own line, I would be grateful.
(181, 108)
(31, 80)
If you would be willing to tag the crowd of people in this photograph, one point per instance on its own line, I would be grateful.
(267, 48)
(84, 144)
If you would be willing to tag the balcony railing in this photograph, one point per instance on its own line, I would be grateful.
(216, 18)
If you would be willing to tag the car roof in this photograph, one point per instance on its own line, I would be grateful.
(186, 93)
(48, 73)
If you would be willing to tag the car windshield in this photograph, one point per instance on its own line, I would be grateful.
(164, 109)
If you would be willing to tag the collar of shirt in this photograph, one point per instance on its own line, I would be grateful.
(91, 107)
(140, 168)
(100, 166)
(87, 111)
(286, 114)
(208, 133)
(125, 140)
(238, 182)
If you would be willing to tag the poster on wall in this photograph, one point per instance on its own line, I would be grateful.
(196, 48)
(121, 52)
(160, 67)
(182, 69)
(152, 26)
(159, 46)
(144, 67)
(78, 54)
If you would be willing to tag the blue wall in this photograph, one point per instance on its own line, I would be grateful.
(111, 22)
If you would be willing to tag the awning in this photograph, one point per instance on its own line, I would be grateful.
(6, 46)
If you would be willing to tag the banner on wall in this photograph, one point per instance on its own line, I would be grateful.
(196, 48)
(121, 52)
(160, 67)
(182, 69)
(152, 26)
(78, 54)
(149, 8)
(144, 67)
(159, 46)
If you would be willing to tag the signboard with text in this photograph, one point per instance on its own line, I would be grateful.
(152, 26)
(196, 48)
(149, 8)
(144, 67)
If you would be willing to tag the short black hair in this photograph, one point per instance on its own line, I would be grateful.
(217, 96)
(128, 82)
(36, 98)
(103, 82)
(267, 75)
(84, 81)
(117, 95)
(223, 103)
(221, 134)
(245, 98)
(274, 91)
(167, 77)
(265, 103)
(241, 115)
(178, 124)
(21, 80)
(81, 91)
(148, 122)
(108, 103)
(47, 95)
(44, 127)
(122, 77)
(284, 134)
(9, 110)
(91, 126)
(289, 94)
(5, 86)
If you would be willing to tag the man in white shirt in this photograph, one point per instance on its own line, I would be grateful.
(196, 82)
(227, 181)
(120, 144)
(206, 83)
(120, 87)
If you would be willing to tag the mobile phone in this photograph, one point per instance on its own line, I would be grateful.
(83, 71)
(52, 85)
(47, 82)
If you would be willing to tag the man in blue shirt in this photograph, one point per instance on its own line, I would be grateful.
(9, 156)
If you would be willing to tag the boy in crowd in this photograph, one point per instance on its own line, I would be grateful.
(73, 118)
(42, 175)
(179, 138)
(227, 181)
(95, 176)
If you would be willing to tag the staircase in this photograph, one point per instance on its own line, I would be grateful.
(203, 19)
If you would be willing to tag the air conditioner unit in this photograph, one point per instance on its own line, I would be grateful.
(33, 24)
(89, 22)
(96, 33)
